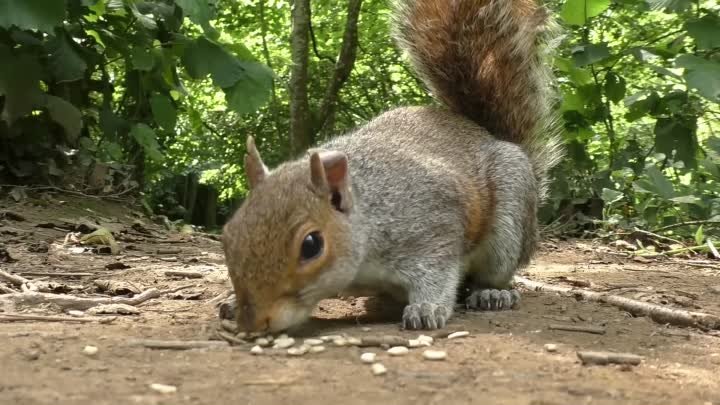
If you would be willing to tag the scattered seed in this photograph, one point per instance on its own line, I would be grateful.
(398, 351)
(164, 389)
(427, 339)
(551, 347)
(379, 341)
(298, 351)
(368, 357)
(283, 336)
(340, 342)
(283, 343)
(366, 329)
(378, 369)
(354, 341)
(330, 338)
(313, 342)
(76, 313)
(90, 350)
(269, 338)
(257, 350)
(417, 343)
(460, 334)
(262, 342)
(317, 349)
(434, 355)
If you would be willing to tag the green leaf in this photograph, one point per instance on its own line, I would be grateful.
(611, 196)
(656, 183)
(163, 111)
(66, 64)
(714, 143)
(198, 11)
(614, 87)
(113, 150)
(43, 15)
(66, 115)
(577, 12)
(699, 236)
(588, 54)
(702, 75)
(252, 91)
(142, 59)
(145, 137)
(705, 32)
(686, 199)
(670, 5)
(674, 134)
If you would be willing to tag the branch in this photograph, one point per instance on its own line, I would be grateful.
(657, 313)
(314, 44)
(687, 223)
(343, 67)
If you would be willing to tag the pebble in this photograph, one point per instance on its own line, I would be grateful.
(262, 342)
(76, 313)
(283, 343)
(368, 357)
(551, 347)
(313, 342)
(163, 388)
(398, 351)
(317, 349)
(434, 355)
(427, 339)
(378, 369)
(257, 350)
(90, 350)
(298, 351)
(460, 334)
(340, 342)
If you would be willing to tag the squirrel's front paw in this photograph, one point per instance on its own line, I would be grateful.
(493, 300)
(425, 316)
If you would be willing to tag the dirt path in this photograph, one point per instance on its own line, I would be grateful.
(502, 361)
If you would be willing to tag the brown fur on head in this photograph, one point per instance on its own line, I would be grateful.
(276, 287)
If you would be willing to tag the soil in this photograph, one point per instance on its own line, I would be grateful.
(502, 361)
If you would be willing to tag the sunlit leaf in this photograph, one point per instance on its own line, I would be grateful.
(577, 12)
(163, 111)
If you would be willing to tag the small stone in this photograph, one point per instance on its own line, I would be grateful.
(378, 369)
(368, 357)
(427, 339)
(262, 342)
(434, 355)
(164, 389)
(257, 350)
(354, 341)
(551, 347)
(90, 350)
(317, 349)
(298, 351)
(76, 313)
(340, 342)
(313, 342)
(398, 351)
(283, 343)
(460, 334)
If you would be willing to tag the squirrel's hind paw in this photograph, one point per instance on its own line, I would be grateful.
(425, 316)
(493, 300)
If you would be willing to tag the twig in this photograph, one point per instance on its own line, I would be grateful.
(656, 236)
(42, 274)
(26, 317)
(179, 344)
(71, 302)
(688, 223)
(13, 279)
(657, 313)
(712, 248)
(229, 338)
(114, 197)
(602, 358)
(168, 251)
(596, 330)
(6, 290)
(184, 273)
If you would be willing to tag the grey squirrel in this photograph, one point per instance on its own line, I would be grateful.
(419, 198)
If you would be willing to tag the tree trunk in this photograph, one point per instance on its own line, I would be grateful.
(301, 136)
(343, 68)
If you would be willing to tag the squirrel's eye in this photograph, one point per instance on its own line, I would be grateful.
(312, 245)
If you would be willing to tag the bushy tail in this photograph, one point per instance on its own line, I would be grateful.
(485, 59)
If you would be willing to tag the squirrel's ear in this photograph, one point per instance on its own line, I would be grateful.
(255, 169)
(329, 170)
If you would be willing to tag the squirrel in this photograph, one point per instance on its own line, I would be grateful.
(419, 198)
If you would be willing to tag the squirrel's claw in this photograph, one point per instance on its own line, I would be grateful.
(493, 300)
(424, 316)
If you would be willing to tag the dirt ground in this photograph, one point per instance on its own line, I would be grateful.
(502, 361)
